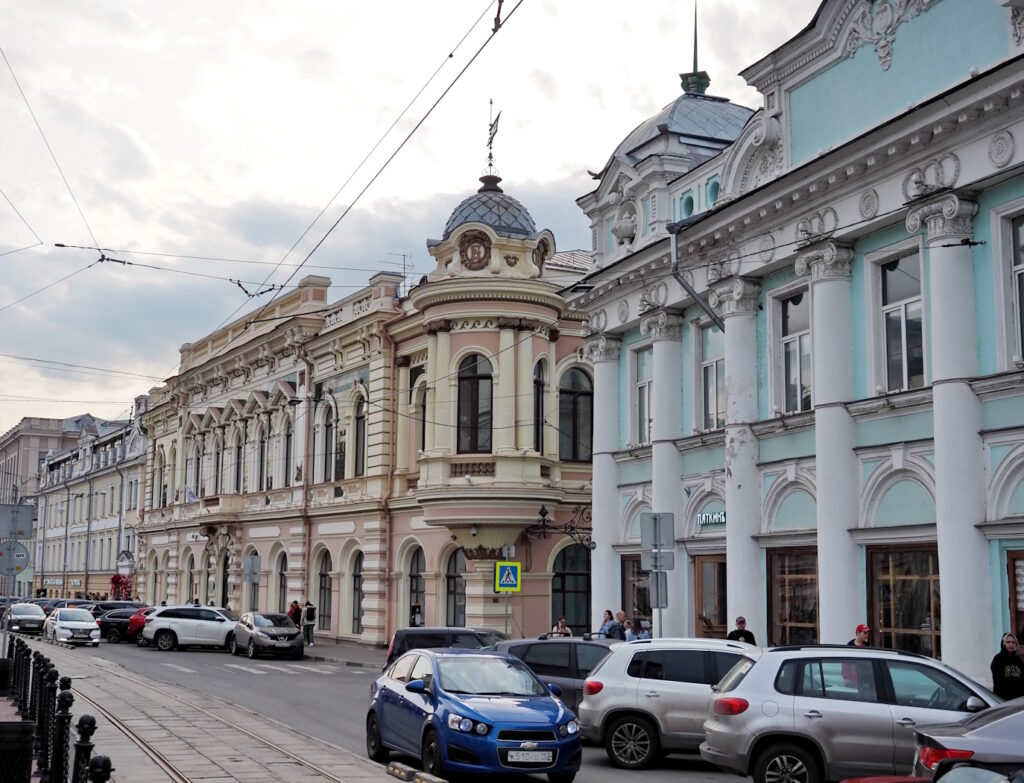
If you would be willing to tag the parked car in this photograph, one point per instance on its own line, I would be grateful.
(72, 625)
(102, 607)
(114, 624)
(565, 661)
(817, 712)
(992, 739)
(259, 633)
(650, 697)
(68, 603)
(23, 618)
(406, 639)
(190, 626)
(471, 711)
(136, 623)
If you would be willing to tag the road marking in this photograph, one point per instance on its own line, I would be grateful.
(249, 669)
(180, 668)
(312, 668)
(276, 668)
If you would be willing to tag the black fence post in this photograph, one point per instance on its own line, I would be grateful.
(83, 749)
(99, 769)
(48, 706)
(39, 686)
(62, 730)
(24, 679)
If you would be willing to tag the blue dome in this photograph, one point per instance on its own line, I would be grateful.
(495, 209)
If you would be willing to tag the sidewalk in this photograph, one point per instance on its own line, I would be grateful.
(347, 653)
(153, 735)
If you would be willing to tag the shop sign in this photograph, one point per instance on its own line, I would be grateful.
(709, 518)
(53, 581)
(76, 582)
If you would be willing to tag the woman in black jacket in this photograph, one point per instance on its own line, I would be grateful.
(1008, 669)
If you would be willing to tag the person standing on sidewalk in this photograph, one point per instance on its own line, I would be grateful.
(295, 614)
(1008, 669)
(308, 620)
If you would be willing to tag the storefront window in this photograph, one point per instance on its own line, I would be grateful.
(1015, 562)
(904, 591)
(636, 589)
(570, 588)
(793, 596)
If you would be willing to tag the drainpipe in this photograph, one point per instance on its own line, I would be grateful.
(390, 620)
(67, 534)
(120, 504)
(307, 466)
(673, 230)
(88, 538)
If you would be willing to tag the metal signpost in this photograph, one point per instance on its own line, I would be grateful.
(508, 578)
(15, 521)
(13, 560)
(658, 555)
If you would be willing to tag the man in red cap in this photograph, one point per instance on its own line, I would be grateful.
(861, 639)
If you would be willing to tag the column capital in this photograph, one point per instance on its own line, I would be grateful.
(825, 261)
(735, 296)
(661, 325)
(440, 325)
(602, 348)
(946, 217)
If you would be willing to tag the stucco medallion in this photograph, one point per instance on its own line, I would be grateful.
(1001, 148)
(766, 247)
(868, 204)
(475, 250)
(623, 311)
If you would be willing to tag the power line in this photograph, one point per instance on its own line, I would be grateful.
(79, 366)
(50, 285)
(48, 147)
(27, 247)
(16, 212)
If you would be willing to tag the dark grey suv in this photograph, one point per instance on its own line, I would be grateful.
(406, 639)
(565, 662)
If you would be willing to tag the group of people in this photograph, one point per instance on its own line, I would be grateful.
(617, 626)
(305, 618)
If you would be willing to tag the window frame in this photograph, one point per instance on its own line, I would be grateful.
(700, 364)
(640, 433)
(325, 590)
(539, 394)
(476, 385)
(453, 589)
(359, 468)
(1008, 298)
(777, 340)
(572, 431)
(358, 593)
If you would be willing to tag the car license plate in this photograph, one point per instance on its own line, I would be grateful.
(283, 644)
(529, 755)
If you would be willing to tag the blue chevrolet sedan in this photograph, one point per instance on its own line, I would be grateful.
(471, 711)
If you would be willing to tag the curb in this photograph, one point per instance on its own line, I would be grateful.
(407, 773)
(343, 661)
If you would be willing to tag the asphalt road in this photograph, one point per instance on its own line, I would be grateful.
(328, 701)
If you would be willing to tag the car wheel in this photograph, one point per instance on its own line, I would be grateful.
(374, 746)
(228, 640)
(786, 764)
(430, 754)
(631, 742)
(114, 635)
(233, 645)
(141, 640)
(251, 650)
(165, 641)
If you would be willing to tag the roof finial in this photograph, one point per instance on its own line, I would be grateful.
(695, 81)
(491, 179)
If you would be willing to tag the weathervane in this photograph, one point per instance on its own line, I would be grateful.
(491, 133)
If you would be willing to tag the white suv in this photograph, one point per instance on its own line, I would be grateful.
(648, 697)
(186, 626)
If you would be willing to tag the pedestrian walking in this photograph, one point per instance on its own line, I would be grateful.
(606, 623)
(617, 630)
(295, 614)
(740, 632)
(560, 628)
(1008, 669)
(308, 620)
(861, 637)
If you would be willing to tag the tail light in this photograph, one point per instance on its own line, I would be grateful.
(730, 705)
(149, 620)
(592, 687)
(930, 756)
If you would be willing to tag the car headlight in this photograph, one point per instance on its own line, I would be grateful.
(15, 627)
(94, 633)
(569, 729)
(467, 725)
(260, 634)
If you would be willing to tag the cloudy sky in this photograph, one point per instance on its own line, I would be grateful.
(221, 130)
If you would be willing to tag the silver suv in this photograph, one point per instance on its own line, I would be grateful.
(652, 696)
(187, 626)
(815, 713)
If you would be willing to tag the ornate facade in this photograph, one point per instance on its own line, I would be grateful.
(377, 455)
(839, 429)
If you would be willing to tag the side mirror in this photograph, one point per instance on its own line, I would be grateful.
(555, 690)
(220, 619)
(416, 686)
(974, 704)
(588, 636)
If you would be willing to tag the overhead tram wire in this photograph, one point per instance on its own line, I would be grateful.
(34, 360)
(22, 217)
(48, 147)
(20, 249)
(50, 285)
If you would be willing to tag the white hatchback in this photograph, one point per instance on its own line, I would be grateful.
(74, 626)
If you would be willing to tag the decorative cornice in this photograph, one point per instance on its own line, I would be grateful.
(440, 325)
(816, 226)
(602, 348)
(661, 326)
(508, 323)
(825, 261)
(736, 296)
(947, 217)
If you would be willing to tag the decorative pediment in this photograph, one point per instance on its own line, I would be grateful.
(193, 424)
(234, 409)
(282, 394)
(256, 403)
(211, 418)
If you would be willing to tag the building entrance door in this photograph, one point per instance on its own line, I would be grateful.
(709, 590)
(1015, 564)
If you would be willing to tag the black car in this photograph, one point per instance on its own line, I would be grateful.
(990, 739)
(565, 661)
(406, 639)
(23, 618)
(102, 607)
(114, 624)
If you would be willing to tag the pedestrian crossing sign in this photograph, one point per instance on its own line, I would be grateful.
(507, 577)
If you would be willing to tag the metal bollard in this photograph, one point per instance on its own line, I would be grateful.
(24, 679)
(83, 749)
(47, 711)
(39, 686)
(61, 733)
(99, 769)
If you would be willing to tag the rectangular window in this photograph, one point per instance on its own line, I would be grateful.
(903, 587)
(609, 238)
(796, 352)
(712, 363)
(643, 373)
(1017, 271)
(792, 596)
(902, 323)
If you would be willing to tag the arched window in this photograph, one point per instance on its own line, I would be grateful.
(357, 594)
(475, 404)
(282, 583)
(576, 417)
(538, 408)
(288, 445)
(262, 460)
(570, 588)
(417, 587)
(190, 579)
(324, 611)
(360, 444)
(329, 448)
(455, 589)
(158, 483)
(224, 580)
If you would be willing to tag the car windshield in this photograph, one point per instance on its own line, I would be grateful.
(28, 611)
(74, 616)
(491, 637)
(272, 621)
(487, 675)
(229, 615)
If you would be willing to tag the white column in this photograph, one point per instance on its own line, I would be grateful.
(524, 386)
(405, 413)
(967, 610)
(504, 397)
(738, 300)
(605, 569)
(840, 609)
(666, 469)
